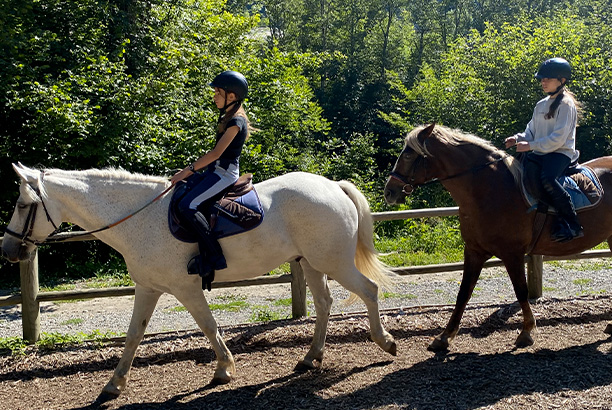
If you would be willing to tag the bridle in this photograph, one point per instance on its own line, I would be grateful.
(409, 182)
(28, 227)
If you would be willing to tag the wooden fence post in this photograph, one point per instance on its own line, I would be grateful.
(535, 268)
(298, 291)
(30, 307)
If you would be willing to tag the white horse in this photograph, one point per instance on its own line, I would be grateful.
(325, 225)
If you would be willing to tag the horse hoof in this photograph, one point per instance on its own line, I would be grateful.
(222, 375)
(109, 392)
(438, 345)
(216, 381)
(392, 349)
(524, 340)
(608, 329)
(304, 366)
(105, 397)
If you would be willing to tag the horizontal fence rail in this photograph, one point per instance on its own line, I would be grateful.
(30, 296)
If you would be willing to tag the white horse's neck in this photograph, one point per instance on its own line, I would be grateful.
(93, 199)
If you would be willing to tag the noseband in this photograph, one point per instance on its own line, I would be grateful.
(409, 182)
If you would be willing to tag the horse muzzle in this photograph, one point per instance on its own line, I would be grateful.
(14, 251)
(396, 191)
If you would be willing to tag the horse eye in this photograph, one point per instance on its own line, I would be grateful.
(22, 206)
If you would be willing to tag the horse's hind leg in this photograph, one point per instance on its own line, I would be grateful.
(472, 266)
(193, 299)
(317, 282)
(356, 282)
(144, 304)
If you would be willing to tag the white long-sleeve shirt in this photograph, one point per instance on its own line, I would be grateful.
(557, 134)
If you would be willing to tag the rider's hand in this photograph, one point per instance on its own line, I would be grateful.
(179, 176)
(523, 146)
(511, 141)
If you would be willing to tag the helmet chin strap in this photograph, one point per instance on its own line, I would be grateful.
(557, 90)
(223, 110)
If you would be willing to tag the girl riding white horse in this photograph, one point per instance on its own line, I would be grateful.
(325, 225)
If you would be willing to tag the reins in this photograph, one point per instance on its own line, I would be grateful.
(405, 181)
(28, 227)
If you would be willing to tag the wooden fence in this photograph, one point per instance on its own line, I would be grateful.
(30, 296)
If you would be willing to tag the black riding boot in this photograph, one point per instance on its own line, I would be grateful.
(568, 227)
(211, 256)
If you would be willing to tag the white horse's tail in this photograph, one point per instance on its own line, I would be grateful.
(366, 256)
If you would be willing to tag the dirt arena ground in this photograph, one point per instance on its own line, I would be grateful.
(569, 367)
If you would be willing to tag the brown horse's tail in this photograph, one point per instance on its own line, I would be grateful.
(366, 256)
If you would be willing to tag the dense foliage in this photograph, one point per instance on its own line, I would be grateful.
(334, 83)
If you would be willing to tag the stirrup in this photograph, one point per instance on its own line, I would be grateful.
(199, 266)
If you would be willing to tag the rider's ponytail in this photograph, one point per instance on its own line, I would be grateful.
(555, 104)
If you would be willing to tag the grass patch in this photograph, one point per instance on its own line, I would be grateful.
(231, 297)
(265, 314)
(16, 346)
(75, 321)
(176, 309)
(58, 288)
(393, 295)
(421, 241)
(582, 282)
(283, 302)
(233, 306)
(548, 289)
(583, 265)
(281, 270)
(109, 280)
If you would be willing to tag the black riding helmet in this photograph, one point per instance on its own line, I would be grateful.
(233, 82)
(555, 68)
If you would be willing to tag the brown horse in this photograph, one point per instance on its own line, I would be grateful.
(493, 215)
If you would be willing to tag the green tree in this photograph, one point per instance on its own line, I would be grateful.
(485, 81)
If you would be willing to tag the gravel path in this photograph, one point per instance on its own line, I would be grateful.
(561, 280)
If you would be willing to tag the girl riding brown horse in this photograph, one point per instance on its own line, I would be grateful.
(493, 214)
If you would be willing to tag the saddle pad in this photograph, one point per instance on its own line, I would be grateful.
(236, 215)
(583, 186)
(228, 216)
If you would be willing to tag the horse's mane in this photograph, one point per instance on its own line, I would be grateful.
(455, 137)
(107, 174)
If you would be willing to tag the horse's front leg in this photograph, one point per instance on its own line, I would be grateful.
(516, 270)
(193, 299)
(144, 304)
(472, 266)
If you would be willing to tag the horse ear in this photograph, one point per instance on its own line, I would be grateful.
(25, 173)
(426, 132)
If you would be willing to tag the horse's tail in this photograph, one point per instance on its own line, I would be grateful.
(366, 256)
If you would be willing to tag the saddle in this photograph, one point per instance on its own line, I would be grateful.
(580, 182)
(233, 211)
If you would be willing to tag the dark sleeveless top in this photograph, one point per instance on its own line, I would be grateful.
(234, 149)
